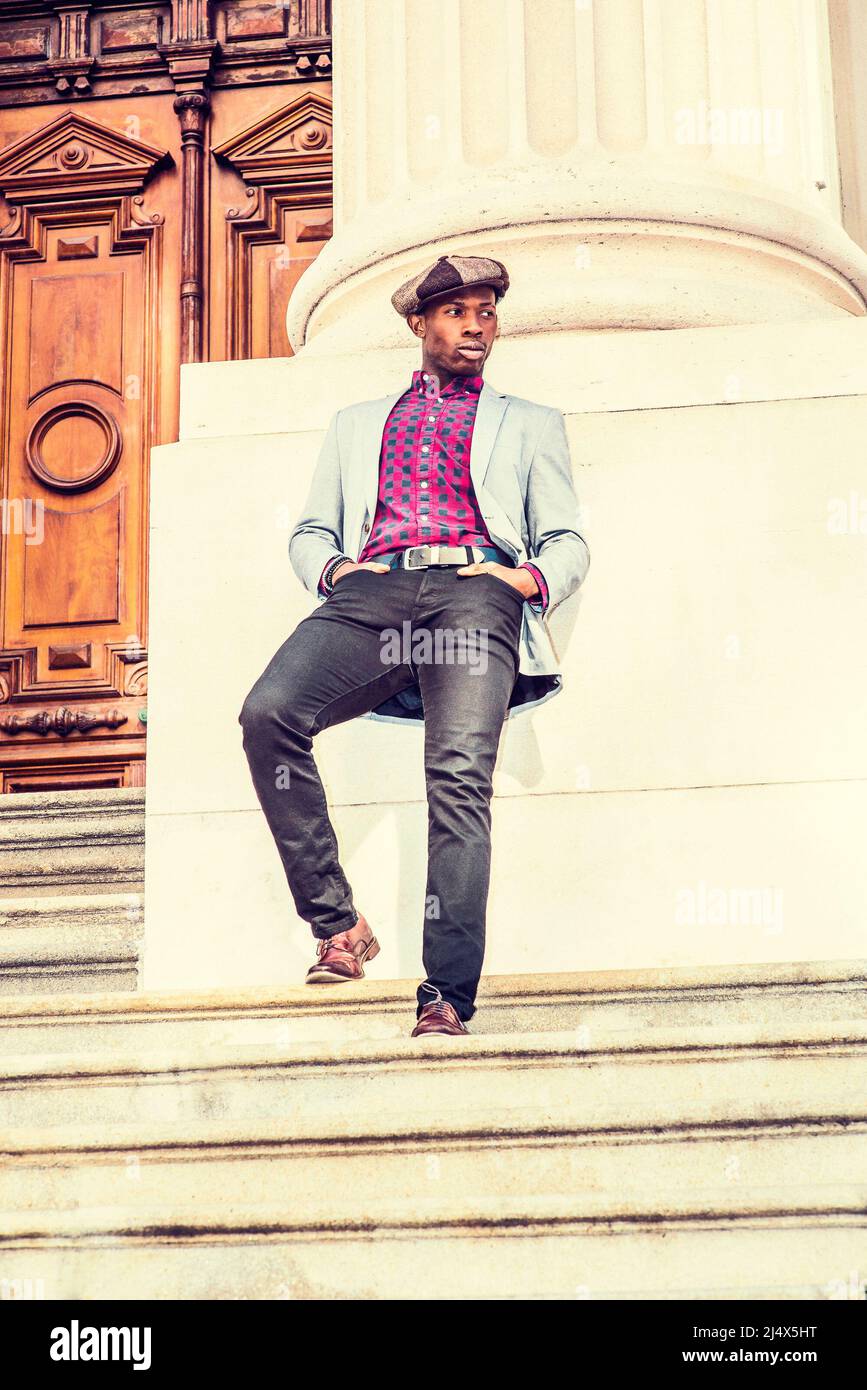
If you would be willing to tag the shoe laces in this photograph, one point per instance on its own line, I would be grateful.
(441, 1007)
(329, 944)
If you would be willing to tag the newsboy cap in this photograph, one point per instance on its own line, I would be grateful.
(449, 273)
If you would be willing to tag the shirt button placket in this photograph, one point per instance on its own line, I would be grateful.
(428, 437)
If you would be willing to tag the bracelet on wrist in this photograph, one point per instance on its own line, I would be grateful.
(333, 568)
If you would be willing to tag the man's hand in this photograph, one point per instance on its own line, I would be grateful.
(353, 565)
(520, 579)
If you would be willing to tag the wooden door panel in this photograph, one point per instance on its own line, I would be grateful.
(85, 312)
(73, 577)
(75, 449)
(274, 274)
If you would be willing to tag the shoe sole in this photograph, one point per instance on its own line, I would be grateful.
(436, 1033)
(326, 977)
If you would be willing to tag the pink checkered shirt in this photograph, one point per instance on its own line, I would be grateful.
(425, 491)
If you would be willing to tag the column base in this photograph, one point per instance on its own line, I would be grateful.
(601, 249)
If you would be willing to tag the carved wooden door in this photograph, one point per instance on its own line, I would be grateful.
(79, 291)
(165, 178)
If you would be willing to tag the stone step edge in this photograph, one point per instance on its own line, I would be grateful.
(63, 905)
(497, 1126)
(76, 801)
(71, 943)
(120, 828)
(565, 1046)
(803, 1206)
(666, 983)
(115, 946)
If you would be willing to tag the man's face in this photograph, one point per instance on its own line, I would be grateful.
(458, 332)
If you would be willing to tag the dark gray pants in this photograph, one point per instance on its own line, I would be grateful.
(335, 667)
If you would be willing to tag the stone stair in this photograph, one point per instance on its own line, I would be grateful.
(664, 1133)
(71, 890)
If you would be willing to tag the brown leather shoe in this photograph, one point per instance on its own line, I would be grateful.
(438, 1017)
(342, 957)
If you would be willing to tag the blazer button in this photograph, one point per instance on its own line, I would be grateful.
(366, 526)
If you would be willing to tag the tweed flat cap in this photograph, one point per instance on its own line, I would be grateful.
(449, 273)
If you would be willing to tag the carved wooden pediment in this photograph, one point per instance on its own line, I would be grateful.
(280, 146)
(76, 157)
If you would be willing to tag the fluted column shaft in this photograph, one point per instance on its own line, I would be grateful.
(681, 147)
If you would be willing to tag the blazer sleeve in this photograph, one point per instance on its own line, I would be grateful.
(317, 536)
(555, 527)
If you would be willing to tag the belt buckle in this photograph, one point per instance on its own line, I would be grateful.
(414, 550)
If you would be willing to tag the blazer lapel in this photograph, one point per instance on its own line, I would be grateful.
(489, 413)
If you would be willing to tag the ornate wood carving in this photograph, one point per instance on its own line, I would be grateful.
(77, 50)
(93, 767)
(287, 145)
(190, 20)
(63, 721)
(192, 109)
(78, 248)
(61, 655)
(113, 672)
(96, 470)
(137, 681)
(74, 157)
(73, 63)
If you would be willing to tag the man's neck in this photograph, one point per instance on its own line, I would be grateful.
(444, 376)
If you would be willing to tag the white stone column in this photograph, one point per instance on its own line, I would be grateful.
(635, 163)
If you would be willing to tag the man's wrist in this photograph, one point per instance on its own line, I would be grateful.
(526, 582)
(341, 569)
(331, 569)
(539, 594)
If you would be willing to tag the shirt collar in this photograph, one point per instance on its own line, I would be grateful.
(466, 385)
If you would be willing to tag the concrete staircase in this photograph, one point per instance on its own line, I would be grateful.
(71, 890)
(650, 1134)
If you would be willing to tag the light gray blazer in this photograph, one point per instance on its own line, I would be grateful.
(522, 476)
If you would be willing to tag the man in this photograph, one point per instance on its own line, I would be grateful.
(423, 512)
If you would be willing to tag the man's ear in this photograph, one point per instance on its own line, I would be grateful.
(416, 323)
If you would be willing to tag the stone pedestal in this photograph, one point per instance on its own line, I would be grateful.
(696, 794)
